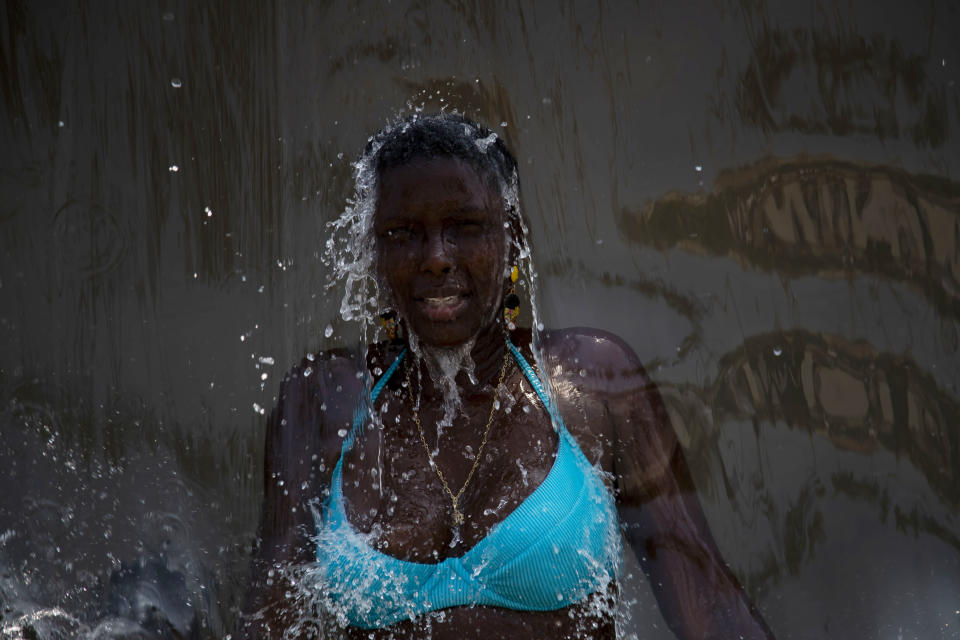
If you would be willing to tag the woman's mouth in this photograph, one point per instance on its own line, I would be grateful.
(442, 308)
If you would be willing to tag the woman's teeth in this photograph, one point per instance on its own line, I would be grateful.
(441, 302)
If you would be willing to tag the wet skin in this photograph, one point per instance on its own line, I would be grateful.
(442, 250)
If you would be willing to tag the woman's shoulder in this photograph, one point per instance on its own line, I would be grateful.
(319, 393)
(594, 350)
(336, 376)
(319, 372)
(593, 361)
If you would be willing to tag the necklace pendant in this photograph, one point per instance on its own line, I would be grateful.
(457, 517)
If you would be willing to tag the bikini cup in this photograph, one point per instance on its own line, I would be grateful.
(559, 545)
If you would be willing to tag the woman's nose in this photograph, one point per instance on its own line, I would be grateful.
(437, 257)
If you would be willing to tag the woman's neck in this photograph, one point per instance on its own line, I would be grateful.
(473, 369)
(488, 354)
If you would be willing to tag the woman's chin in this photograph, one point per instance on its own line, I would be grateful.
(445, 334)
(444, 337)
(451, 325)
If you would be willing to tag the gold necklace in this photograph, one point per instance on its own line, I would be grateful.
(455, 497)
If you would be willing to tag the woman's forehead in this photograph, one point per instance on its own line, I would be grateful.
(436, 182)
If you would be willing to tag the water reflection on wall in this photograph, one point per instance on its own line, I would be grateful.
(794, 430)
(842, 462)
(761, 199)
(820, 216)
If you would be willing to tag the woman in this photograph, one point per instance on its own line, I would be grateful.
(444, 485)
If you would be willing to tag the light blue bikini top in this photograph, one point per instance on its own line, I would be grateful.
(558, 546)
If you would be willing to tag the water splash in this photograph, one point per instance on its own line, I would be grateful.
(444, 365)
(350, 249)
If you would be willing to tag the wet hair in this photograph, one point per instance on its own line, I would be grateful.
(444, 135)
(350, 252)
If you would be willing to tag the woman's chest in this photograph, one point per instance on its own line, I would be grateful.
(403, 484)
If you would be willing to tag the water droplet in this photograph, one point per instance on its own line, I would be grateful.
(503, 124)
(698, 168)
(259, 409)
(342, 433)
(264, 375)
(583, 373)
(307, 372)
(328, 331)
(243, 338)
(208, 211)
(265, 360)
(174, 168)
(176, 83)
(60, 123)
(777, 351)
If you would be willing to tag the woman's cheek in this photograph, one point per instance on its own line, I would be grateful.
(396, 258)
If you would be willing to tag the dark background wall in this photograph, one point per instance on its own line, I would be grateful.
(762, 198)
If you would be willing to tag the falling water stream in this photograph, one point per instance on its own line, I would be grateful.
(760, 198)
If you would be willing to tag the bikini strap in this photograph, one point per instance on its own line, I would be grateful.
(359, 414)
(385, 378)
(359, 417)
(537, 385)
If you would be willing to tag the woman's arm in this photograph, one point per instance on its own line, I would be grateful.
(664, 522)
(300, 450)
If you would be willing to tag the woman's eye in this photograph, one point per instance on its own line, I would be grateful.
(470, 226)
(398, 233)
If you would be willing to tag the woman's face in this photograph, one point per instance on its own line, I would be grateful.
(441, 247)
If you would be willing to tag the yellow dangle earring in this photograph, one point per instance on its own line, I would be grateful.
(388, 321)
(511, 303)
